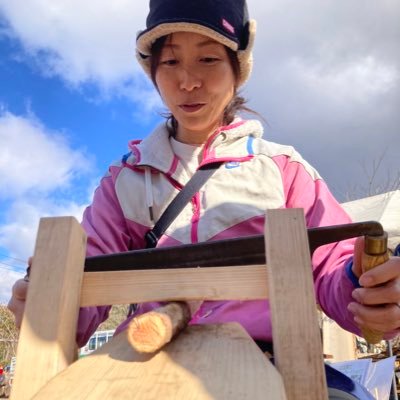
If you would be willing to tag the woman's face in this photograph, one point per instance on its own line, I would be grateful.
(196, 82)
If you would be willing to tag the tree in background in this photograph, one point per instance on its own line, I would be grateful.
(117, 315)
(375, 182)
(8, 336)
(9, 333)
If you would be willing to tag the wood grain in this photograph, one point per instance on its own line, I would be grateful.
(205, 362)
(369, 261)
(212, 283)
(47, 339)
(151, 331)
(296, 336)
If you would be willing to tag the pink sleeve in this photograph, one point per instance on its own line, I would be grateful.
(105, 227)
(305, 189)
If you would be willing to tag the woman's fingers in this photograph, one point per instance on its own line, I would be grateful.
(380, 295)
(377, 303)
(378, 275)
(20, 289)
(381, 274)
(17, 302)
(384, 319)
(17, 307)
(18, 296)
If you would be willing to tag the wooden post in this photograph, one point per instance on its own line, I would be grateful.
(296, 336)
(47, 338)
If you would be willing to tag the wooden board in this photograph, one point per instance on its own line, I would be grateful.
(212, 283)
(297, 339)
(47, 340)
(204, 362)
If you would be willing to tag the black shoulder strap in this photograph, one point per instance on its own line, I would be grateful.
(179, 202)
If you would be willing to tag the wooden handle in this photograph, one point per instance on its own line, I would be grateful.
(149, 332)
(375, 253)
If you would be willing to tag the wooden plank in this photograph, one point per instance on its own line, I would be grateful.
(204, 362)
(213, 283)
(47, 338)
(296, 336)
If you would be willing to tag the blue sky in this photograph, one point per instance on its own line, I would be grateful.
(326, 78)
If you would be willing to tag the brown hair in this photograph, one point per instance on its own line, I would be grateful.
(237, 103)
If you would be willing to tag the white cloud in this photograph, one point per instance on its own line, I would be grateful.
(326, 76)
(18, 233)
(140, 93)
(38, 169)
(94, 41)
(7, 279)
(32, 158)
(82, 41)
(358, 80)
(91, 42)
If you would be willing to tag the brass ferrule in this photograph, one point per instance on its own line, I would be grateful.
(375, 245)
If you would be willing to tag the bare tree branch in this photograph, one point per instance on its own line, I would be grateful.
(375, 183)
(8, 336)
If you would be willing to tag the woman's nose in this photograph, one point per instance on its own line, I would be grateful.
(189, 79)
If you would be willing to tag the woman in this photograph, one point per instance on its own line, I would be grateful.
(198, 54)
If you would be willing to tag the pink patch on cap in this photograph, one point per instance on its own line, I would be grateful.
(228, 26)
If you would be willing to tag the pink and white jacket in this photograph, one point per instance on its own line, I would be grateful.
(257, 175)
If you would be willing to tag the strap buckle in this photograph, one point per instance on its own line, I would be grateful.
(151, 240)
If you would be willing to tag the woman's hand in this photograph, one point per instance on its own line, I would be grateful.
(377, 303)
(17, 302)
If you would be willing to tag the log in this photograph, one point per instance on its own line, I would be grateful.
(149, 332)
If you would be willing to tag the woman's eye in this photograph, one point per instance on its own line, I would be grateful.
(209, 60)
(169, 62)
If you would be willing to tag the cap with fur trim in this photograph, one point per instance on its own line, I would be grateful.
(225, 21)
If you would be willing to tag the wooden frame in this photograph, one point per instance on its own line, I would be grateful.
(58, 287)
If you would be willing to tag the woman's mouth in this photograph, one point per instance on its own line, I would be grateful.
(192, 107)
